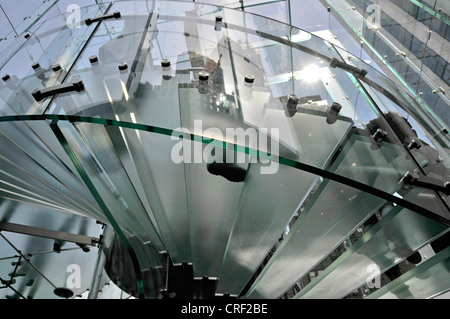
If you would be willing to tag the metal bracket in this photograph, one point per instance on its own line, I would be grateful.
(335, 63)
(115, 15)
(98, 241)
(100, 223)
(415, 179)
(7, 283)
(40, 94)
(379, 135)
(333, 112)
(378, 138)
(219, 23)
(415, 144)
(291, 107)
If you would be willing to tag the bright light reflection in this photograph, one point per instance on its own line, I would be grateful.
(133, 118)
(107, 93)
(125, 91)
(311, 73)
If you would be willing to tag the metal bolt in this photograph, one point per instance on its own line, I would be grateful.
(379, 135)
(408, 179)
(291, 107)
(93, 59)
(293, 101)
(165, 63)
(56, 67)
(249, 78)
(203, 76)
(123, 66)
(332, 114)
(414, 144)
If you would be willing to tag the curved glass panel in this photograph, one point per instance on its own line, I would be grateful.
(104, 181)
(395, 98)
(30, 15)
(228, 52)
(35, 168)
(329, 220)
(384, 245)
(387, 30)
(428, 280)
(418, 130)
(102, 171)
(107, 179)
(13, 40)
(54, 42)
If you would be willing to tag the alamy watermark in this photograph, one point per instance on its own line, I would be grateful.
(74, 18)
(74, 278)
(262, 144)
(374, 279)
(374, 18)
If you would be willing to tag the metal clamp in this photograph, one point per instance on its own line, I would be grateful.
(333, 112)
(203, 77)
(218, 25)
(7, 283)
(379, 136)
(40, 94)
(97, 241)
(335, 63)
(115, 15)
(408, 179)
(415, 179)
(415, 144)
(291, 107)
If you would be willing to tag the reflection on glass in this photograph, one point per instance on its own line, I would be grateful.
(386, 243)
(52, 43)
(428, 280)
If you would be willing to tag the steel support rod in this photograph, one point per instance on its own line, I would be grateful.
(99, 266)
(47, 233)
